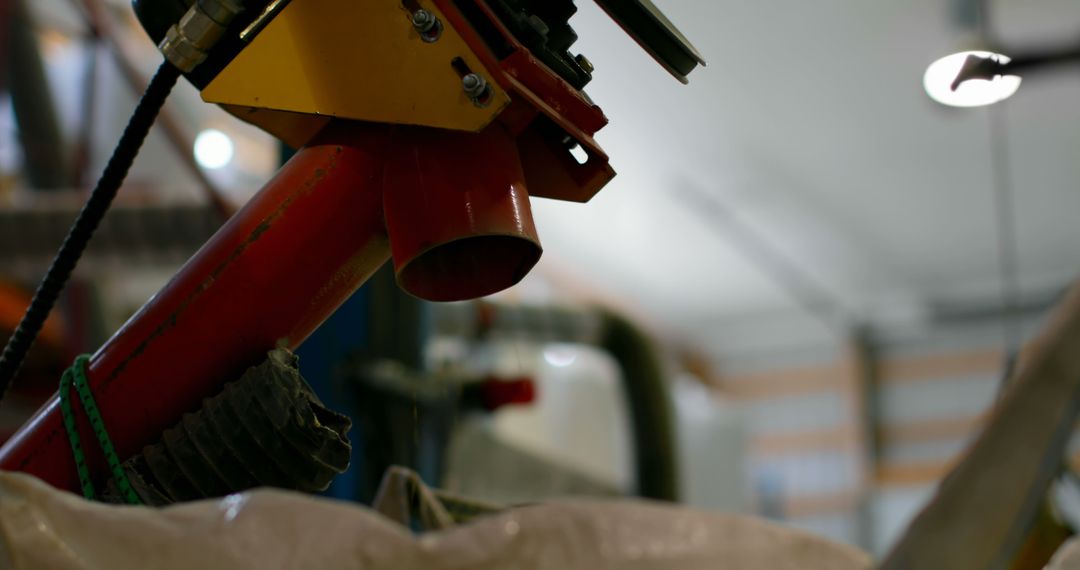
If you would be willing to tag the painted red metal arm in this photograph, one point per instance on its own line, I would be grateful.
(268, 277)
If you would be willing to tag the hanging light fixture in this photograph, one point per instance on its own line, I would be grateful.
(968, 79)
(974, 75)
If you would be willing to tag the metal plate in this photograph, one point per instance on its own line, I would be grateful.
(550, 170)
(360, 59)
(644, 22)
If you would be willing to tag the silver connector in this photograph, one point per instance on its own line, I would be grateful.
(188, 42)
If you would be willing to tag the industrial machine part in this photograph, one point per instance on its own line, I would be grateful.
(424, 135)
(187, 42)
(255, 285)
(267, 429)
(655, 33)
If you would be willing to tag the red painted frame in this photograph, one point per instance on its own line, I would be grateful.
(279, 267)
(536, 90)
(269, 277)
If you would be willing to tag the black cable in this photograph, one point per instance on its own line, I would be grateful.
(79, 236)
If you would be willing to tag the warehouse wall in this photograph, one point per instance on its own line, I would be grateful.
(932, 403)
(811, 459)
(805, 459)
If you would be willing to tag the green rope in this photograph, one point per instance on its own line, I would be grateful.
(76, 376)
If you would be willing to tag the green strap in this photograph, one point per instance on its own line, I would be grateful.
(76, 375)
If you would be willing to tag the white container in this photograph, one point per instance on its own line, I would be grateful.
(579, 419)
(712, 449)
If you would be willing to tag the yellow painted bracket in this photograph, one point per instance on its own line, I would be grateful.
(355, 59)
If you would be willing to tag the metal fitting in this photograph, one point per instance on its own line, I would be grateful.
(429, 26)
(188, 42)
(584, 63)
(477, 89)
(269, 13)
(180, 52)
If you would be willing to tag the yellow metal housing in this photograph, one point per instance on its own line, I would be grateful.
(356, 59)
(294, 129)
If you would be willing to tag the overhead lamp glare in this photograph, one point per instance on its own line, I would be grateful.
(213, 149)
(940, 75)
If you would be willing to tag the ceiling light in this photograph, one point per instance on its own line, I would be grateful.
(213, 149)
(941, 74)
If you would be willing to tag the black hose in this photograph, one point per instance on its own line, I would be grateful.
(79, 236)
(648, 398)
(648, 395)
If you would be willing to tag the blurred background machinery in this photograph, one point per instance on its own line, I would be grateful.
(832, 268)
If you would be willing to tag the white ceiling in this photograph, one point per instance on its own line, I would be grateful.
(810, 131)
(811, 128)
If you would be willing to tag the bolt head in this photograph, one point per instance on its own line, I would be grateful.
(427, 25)
(584, 63)
(473, 84)
(476, 87)
(423, 20)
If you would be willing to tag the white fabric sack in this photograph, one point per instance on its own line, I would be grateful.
(42, 528)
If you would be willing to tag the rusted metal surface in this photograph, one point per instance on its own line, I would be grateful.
(268, 278)
(985, 507)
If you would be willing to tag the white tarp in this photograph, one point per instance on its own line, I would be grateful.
(42, 528)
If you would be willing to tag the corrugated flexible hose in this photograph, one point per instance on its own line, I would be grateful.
(266, 429)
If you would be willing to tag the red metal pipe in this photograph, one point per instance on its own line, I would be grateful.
(268, 277)
(458, 213)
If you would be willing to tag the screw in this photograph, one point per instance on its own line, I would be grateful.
(475, 87)
(584, 63)
(427, 24)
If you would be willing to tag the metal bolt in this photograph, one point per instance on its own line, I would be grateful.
(423, 20)
(584, 63)
(427, 25)
(475, 86)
